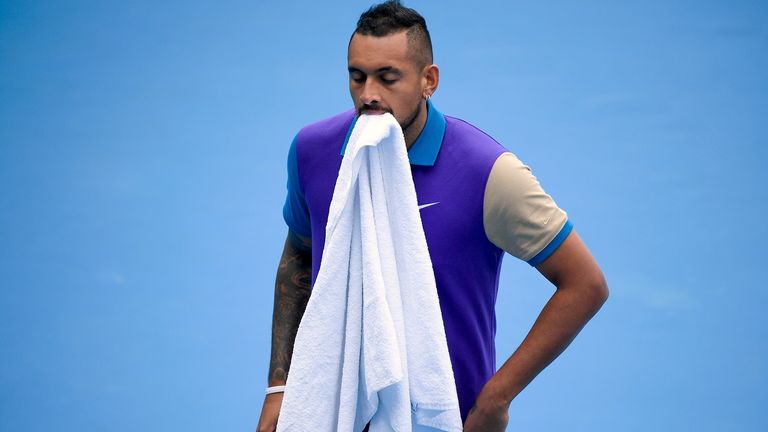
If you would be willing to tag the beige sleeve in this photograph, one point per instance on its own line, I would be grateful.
(518, 216)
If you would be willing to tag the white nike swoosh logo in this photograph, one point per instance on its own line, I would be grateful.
(427, 205)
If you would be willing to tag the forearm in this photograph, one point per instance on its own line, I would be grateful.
(292, 291)
(561, 319)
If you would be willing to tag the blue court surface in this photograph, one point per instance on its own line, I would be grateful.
(143, 156)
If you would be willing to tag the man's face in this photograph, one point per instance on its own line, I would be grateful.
(384, 77)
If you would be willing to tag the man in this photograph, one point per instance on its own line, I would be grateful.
(476, 200)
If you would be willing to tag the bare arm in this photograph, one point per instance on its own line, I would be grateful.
(293, 286)
(581, 291)
(292, 291)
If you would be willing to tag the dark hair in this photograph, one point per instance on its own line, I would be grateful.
(391, 17)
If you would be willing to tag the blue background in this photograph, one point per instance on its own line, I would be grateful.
(142, 176)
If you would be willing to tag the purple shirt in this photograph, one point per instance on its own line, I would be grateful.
(450, 163)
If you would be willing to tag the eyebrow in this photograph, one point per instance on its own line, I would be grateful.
(384, 69)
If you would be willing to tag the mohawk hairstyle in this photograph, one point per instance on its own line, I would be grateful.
(392, 17)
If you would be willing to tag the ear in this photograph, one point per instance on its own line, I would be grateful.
(430, 79)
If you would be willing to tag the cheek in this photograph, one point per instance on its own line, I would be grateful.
(405, 101)
(354, 93)
(409, 104)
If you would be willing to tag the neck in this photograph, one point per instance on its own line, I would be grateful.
(413, 130)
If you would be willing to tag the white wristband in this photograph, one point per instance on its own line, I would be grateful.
(275, 389)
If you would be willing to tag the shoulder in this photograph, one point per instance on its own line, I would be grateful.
(326, 129)
(318, 145)
(467, 132)
(470, 145)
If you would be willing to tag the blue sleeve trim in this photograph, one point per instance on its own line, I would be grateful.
(295, 210)
(554, 244)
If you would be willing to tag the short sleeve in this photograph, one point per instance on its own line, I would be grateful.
(518, 216)
(295, 210)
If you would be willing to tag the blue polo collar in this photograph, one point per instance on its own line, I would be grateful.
(424, 150)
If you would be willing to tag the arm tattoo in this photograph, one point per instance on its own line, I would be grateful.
(293, 286)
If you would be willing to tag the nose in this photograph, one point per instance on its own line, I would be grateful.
(370, 94)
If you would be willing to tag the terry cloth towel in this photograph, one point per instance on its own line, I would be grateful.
(371, 345)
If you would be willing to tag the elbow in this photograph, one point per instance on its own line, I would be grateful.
(600, 291)
(593, 291)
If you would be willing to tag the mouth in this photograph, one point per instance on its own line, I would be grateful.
(373, 110)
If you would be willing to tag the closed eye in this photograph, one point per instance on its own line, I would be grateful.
(388, 81)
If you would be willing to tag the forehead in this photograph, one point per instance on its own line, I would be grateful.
(373, 52)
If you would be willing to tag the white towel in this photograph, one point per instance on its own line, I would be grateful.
(371, 345)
